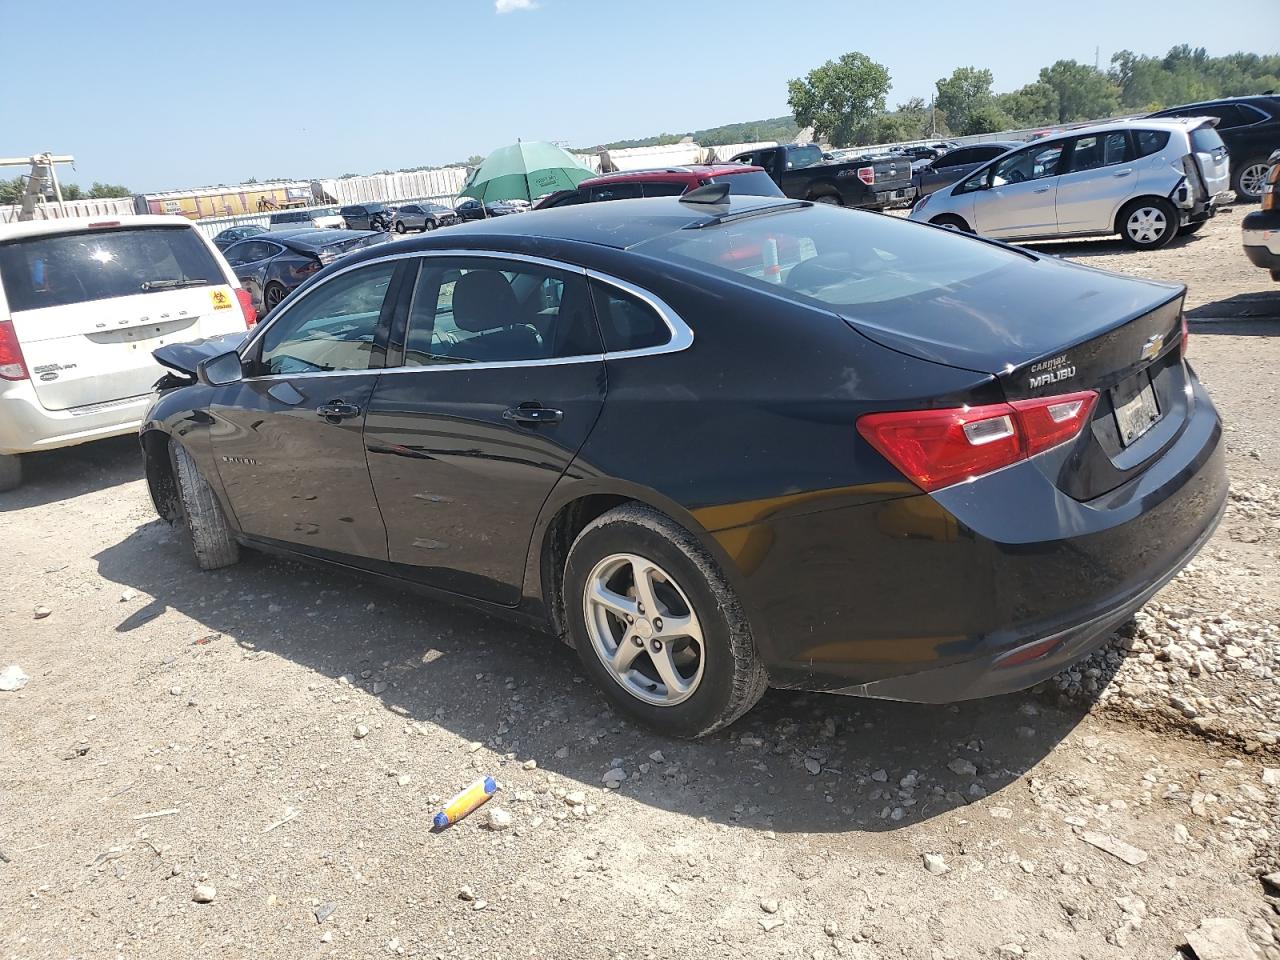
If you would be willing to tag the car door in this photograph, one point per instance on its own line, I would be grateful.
(1098, 178)
(1020, 193)
(288, 438)
(947, 169)
(500, 377)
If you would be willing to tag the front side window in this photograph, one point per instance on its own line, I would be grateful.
(332, 328)
(955, 158)
(53, 270)
(251, 251)
(1034, 163)
(477, 310)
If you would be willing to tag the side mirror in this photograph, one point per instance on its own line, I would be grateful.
(221, 370)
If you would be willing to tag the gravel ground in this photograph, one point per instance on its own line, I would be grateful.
(246, 763)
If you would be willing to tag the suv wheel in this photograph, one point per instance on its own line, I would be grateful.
(400, 227)
(657, 626)
(1250, 179)
(428, 224)
(1148, 224)
(10, 471)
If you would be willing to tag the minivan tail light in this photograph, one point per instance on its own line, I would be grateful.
(246, 307)
(938, 448)
(12, 364)
(867, 175)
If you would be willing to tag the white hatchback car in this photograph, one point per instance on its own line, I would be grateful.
(1147, 180)
(83, 302)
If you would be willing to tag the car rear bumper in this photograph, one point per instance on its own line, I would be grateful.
(26, 426)
(979, 589)
(1261, 235)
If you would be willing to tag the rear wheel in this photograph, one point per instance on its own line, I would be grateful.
(1148, 224)
(1250, 179)
(949, 222)
(832, 198)
(657, 626)
(212, 541)
(10, 471)
(273, 294)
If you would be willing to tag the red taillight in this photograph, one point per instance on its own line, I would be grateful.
(12, 364)
(936, 448)
(246, 307)
(1186, 335)
(867, 175)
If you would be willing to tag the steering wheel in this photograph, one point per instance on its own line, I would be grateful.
(1017, 176)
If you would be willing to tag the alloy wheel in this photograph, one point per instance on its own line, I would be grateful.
(1146, 225)
(273, 296)
(644, 629)
(1252, 179)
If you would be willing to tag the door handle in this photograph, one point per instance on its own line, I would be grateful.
(1122, 173)
(335, 411)
(1041, 190)
(528, 413)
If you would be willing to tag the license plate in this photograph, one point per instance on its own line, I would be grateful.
(1137, 415)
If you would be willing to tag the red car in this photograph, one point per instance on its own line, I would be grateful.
(665, 182)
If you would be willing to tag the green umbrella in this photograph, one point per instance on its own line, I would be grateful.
(524, 171)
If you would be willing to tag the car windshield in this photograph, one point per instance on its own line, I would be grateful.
(60, 269)
(845, 261)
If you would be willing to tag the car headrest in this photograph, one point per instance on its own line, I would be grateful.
(483, 300)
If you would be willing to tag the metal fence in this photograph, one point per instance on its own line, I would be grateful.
(122, 206)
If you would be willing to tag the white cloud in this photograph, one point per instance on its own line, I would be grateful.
(509, 6)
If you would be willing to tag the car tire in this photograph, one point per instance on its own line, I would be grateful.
(428, 225)
(711, 683)
(1248, 180)
(212, 541)
(948, 221)
(827, 196)
(400, 227)
(10, 471)
(1188, 229)
(272, 294)
(1148, 223)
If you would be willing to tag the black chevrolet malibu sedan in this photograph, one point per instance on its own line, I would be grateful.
(717, 446)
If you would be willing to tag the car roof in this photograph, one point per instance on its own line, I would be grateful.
(1131, 123)
(33, 228)
(685, 172)
(618, 224)
(1219, 102)
(310, 239)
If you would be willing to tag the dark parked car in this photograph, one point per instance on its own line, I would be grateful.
(803, 171)
(235, 234)
(664, 182)
(718, 446)
(1250, 127)
(271, 265)
(366, 216)
(422, 217)
(954, 165)
(470, 209)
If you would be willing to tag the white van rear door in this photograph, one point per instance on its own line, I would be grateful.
(89, 307)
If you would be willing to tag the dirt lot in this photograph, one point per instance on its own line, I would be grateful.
(182, 729)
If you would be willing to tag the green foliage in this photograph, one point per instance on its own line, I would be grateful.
(1034, 105)
(11, 190)
(107, 191)
(1185, 75)
(839, 97)
(966, 92)
(1084, 92)
(985, 118)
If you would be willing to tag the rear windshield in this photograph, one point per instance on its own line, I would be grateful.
(1205, 140)
(841, 260)
(56, 270)
(756, 183)
(798, 157)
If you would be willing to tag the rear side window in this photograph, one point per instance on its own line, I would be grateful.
(626, 321)
(1099, 150)
(1206, 140)
(806, 156)
(655, 189)
(957, 158)
(756, 183)
(1150, 141)
(53, 271)
(614, 191)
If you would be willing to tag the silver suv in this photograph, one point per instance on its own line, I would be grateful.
(1146, 180)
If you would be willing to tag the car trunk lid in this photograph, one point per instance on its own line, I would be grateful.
(1211, 157)
(1109, 334)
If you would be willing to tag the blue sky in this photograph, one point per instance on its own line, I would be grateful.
(160, 95)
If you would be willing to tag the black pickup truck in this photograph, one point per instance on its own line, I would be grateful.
(803, 172)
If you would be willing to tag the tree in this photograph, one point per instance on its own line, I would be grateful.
(985, 118)
(1030, 106)
(108, 191)
(839, 97)
(1084, 92)
(967, 90)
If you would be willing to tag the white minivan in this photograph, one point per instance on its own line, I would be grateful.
(83, 302)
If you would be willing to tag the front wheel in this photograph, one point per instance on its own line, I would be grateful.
(949, 222)
(428, 225)
(657, 625)
(400, 227)
(10, 472)
(1249, 180)
(1148, 224)
(212, 541)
